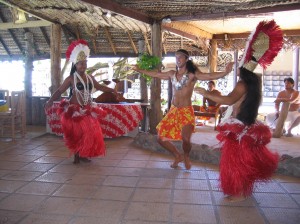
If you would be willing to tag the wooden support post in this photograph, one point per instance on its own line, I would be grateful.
(143, 81)
(28, 75)
(213, 56)
(281, 119)
(156, 113)
(55, 54)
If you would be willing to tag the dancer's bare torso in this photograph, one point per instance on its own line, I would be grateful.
(183, 89)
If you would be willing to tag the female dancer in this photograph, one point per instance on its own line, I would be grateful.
(245, 157)
(79, 116)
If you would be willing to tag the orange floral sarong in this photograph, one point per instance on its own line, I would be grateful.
(171, 125)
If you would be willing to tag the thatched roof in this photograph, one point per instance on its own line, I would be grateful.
(193, 24)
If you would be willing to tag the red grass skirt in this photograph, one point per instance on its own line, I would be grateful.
(81, 128)
(245, 157)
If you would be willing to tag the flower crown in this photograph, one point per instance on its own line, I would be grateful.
(78, 51)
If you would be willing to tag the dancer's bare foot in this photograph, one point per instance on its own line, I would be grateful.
(232, 198)
(177, 160)
(76, 159)
(187, 162)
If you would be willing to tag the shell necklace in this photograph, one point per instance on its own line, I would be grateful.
(84, 96)
(181, 83)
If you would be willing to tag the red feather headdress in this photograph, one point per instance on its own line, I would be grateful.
(263, 44)
(78, 51)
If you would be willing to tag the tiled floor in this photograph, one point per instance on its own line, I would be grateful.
(39, 184)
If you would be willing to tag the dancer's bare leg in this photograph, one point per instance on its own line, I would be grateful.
(76, 158)
(172, 149)
(186, 144)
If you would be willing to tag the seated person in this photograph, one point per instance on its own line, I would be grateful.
(209, 106)
(288, 95)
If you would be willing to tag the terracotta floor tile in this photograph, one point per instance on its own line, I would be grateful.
(40, 184)
(143, 211)
(245, 215)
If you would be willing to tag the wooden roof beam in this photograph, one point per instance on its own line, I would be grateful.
(188, 29)
(147, 43)
(12, 35)
(28, 24)
(119, 9)
(224, 15)
(5, 47)
(181, 33)
(43, 30)
(26, 30)
(132, 43)
(108, 35)
(288, 33)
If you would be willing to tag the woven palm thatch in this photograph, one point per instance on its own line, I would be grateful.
(192, 24)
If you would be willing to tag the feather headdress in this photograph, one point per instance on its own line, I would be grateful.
(78, 51)
(262, 46)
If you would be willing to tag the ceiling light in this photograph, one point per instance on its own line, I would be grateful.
(19, 17)
(108, 14)
(167, 19)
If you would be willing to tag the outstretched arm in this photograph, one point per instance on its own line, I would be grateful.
(102, 87)
(238, 91)
(154, 73)
(55, 96)
(214, 75)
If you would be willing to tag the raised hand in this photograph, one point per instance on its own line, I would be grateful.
(200, 90)
(229, 66)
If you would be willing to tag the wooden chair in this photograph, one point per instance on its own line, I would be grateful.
(216, 115)
(4, 95)
(14, 119)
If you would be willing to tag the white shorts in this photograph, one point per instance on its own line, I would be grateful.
(291, 117)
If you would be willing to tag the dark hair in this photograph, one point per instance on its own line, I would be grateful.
(212, 82)
(190, 66)
(249, 107)
(73, 69)
(184, 52)
(290, 80)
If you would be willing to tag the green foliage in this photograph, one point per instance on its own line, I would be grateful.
(148, 62)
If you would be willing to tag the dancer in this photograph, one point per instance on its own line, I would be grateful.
(245, 157)
(79, 115)
(179, 123)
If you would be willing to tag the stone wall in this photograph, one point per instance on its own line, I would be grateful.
(288, 165)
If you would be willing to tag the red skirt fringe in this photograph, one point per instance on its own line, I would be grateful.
(245, 157)
(81, 128)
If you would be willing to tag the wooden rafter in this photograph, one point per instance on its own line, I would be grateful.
(147, 43)
(26, 30)
(245, 35)
(108, 35)
(28, 24)
(12, 35)
(5, 47)
(185, 29)
(163, 42)
(94, 46)
(43, 30)
(132, 43)
(119, 9)
(67, 33)
(226, 15)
